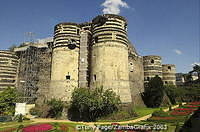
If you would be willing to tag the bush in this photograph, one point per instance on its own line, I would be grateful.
(35, 111)
(56, 108)
(40, 110)
(154, 92)
(5, 118)
(20, 127)
(7, 101)
(88, 105)
(159, 113)
(170, 108)
(20, 119)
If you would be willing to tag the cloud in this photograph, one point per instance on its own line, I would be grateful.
(178, 52)
(113, 6)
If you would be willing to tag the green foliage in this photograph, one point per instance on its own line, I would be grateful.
(40, 110)
(20, 119)
(56, 108)
(89, 104)
(52, 108)
(173, 92)
(5, 118)
(196, 69)
(177, 129)
(160, 113)
(7, 101)
(116, 116)
(20, 127)
(154, 92)
(170, 108)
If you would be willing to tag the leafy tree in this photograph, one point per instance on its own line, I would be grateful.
(7, 101)
(154, 92)
(174, 93)
(89, 104)
(196, 69)
(56, 108)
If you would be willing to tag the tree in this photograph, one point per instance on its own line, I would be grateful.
(175, 93)
(154, 92)
(56, 108)
(196, 69)
(7, 101)
(89, 104)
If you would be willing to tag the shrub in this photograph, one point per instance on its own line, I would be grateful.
(154, 92)
(40, 110)
(20, 127)
(7, 101)
(88, 105)
(56, 108)
(20, 119)
(35, 111)
(159, 113)
(170, 108)
(5, 118)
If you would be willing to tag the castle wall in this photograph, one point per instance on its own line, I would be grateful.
(8, 69)
(169, 74)
(65, 61)
(136, 75)
(152, 67)
(84, 59)
(44, 76)
(110, 56)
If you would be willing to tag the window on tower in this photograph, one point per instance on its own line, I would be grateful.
(68, 77)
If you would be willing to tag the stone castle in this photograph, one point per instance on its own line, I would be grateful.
(88, 55)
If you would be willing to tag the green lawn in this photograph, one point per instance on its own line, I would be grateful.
(141, 111)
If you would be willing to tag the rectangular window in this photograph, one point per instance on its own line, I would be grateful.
(95, 77)
(68, 77)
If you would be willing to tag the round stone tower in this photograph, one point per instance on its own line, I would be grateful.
(109, 67)
(152, 67)
(65, 57)
(169, 74)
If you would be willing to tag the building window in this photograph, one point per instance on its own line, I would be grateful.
(148, 78)
(95, 77)
(68, 77)
(152, 61)
(78, 31)
(96, 39)
(169, 67)
(166, 82)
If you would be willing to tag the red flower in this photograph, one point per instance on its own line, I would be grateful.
(180, 113)
(38, 128)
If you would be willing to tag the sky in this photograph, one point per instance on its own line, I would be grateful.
(168, 28)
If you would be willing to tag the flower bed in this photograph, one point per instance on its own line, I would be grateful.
(183, 113)
(9, 130)
(192, 106)
(64, 128)
(184, 109)
(38, 128)
(194, 103)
